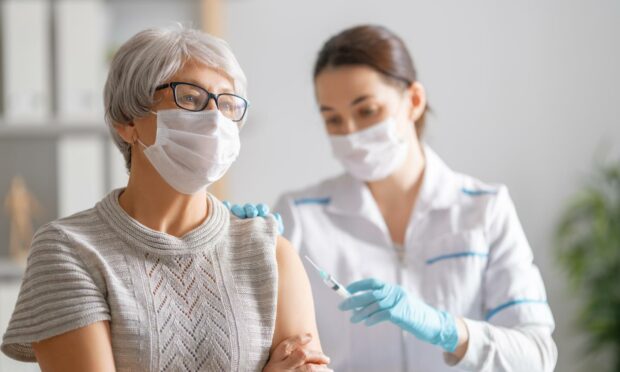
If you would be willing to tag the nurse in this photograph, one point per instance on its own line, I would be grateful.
(440, 270)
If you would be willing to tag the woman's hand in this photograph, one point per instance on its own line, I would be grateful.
(293, 354)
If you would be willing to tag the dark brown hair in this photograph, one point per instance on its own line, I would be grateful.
(375, 47)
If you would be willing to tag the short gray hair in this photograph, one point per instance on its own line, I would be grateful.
(150, 58)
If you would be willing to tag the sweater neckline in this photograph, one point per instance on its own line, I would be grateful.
(141, 236)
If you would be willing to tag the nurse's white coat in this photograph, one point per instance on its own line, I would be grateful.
(465, 252)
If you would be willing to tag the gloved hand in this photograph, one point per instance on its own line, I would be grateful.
(251, 211)
(381, 301)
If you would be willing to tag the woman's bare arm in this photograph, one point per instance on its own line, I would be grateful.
(84, 349)
(295, 311)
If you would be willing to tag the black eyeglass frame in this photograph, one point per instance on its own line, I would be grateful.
(173, 84)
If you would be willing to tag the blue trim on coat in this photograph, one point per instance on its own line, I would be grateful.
(319, 201)
(471, 192)
(456, 255)
(508, 304)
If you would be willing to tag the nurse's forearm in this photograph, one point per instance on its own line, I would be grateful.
(461, 346)
(494, 348)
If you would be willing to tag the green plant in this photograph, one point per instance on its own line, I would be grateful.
(588, 248)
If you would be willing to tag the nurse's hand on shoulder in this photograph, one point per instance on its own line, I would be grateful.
(254, 210)
(374, 301)
(292, 355)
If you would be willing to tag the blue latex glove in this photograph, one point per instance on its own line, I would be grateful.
(380, 301)
(251, 211)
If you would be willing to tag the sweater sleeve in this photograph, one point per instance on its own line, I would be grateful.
(58, 294)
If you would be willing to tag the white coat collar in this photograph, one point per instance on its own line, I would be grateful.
(440, 189)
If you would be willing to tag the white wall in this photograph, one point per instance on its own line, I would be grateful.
(523, 93)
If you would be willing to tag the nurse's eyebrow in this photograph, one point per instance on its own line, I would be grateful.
(353, 103)
(360, 99)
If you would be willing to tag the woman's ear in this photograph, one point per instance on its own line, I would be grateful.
(418, 100)
(127, 132)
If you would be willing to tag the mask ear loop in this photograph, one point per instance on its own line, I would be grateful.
(135, 139)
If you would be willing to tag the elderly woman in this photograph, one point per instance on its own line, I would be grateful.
(158, 276)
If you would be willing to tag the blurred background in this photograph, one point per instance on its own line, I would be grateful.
(523, 93)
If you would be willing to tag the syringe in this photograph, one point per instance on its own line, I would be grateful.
(330, 281)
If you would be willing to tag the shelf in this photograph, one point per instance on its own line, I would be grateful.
(51, 129)
(10, 271)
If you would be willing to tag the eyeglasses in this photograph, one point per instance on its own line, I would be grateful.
(192, 97)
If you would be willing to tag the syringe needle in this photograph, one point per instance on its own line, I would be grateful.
(313, 264)
(329, 280)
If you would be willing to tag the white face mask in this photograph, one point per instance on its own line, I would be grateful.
(373, 153)
(193, 149)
